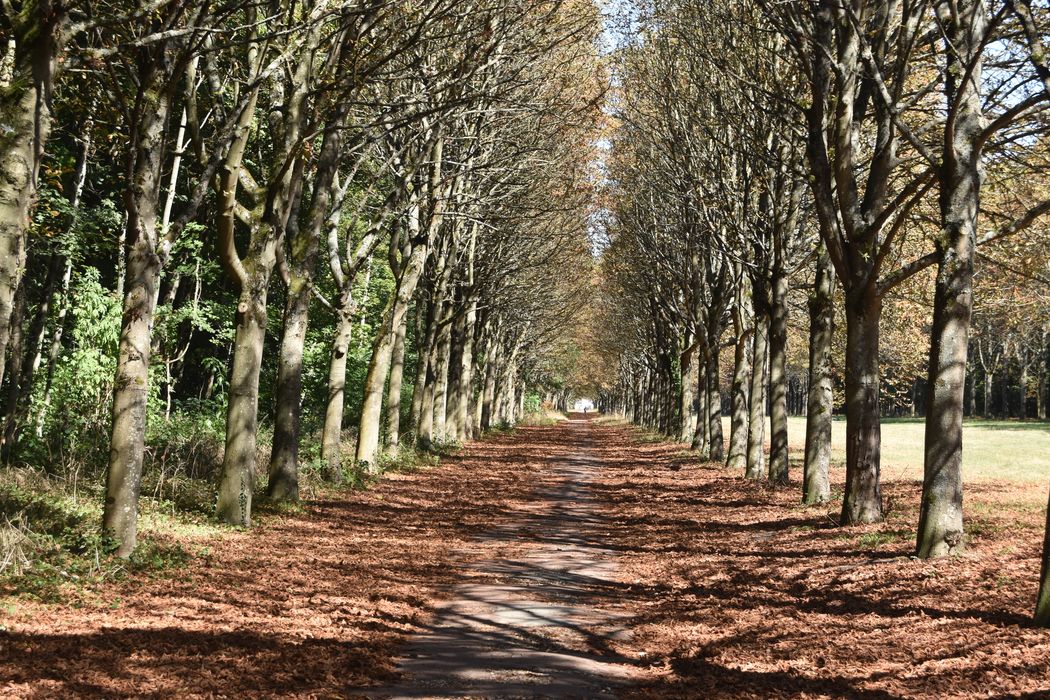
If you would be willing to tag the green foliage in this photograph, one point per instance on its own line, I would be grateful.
(77, 419)
(407, 459)
(532, 403)
(184, 457)
(878, 538)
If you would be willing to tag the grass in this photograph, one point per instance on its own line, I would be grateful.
(993, 450)
(543, 417)
(52, 549)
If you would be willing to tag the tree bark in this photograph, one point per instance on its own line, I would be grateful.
(1022, 392)
(488, 394)
(283, 479)
(16, 348)
(701, 437)
(816, 483)
(382, 351)
(461, 407)
(304, 247)
(862, 502)
(130, 394)
(687, 427)
(987, 408)
(19, 164)
(1042, 605)
(738, 420)
(20, 383)
(716, 442)
(38, 35)
(444, 351)
(941, 514)
(393, 396)
(756, 433)
(145, 258)
(238, 465)
(778, 413)
(332, 433)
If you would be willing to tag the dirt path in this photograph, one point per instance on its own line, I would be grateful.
(538, 623)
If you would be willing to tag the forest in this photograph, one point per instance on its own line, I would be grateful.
(270, 266)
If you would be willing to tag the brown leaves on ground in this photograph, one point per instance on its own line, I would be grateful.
(305, 605)
(739, 591)
(732, 589)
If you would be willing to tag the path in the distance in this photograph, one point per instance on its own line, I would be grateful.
(537, 620)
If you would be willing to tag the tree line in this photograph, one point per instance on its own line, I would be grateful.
(839, 161)
(288, 224)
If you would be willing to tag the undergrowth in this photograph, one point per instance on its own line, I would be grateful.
(51, 544)
(52, 549)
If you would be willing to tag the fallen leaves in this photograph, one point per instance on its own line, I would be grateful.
(749, 594)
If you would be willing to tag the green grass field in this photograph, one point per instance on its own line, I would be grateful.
(992, 450)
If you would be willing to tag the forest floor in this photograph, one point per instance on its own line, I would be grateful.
(586, 557)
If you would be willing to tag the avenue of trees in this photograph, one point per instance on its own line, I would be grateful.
(835, 160)
(240, 239)
(248, 247)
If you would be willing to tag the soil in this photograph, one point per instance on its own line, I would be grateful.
(600, 562)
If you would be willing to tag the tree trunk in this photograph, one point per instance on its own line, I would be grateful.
(16, 349)
(130, 394)
(1004, 389)
(756, 434)
(55, 346)
(238, 464)
(444, 350)
(461, 408)
(862, 502)
(425, 329)
(1042, 605)
(382, 351)
(714, 400)
(1040, 397)
(941, 514)
(738, 420)
(283, 482)
(455, 386)
(332, 433)
(778, 413)
(144, 263)
(688, 428)
(816, 483)
(701, 439)
(1023, 393)
(20, 388)
(426, 391)
(304, 244)
(971, 392)
(987, 408)
(1044, 350)
(26, 118)
(488, 394)
(36, 34)
(393, 396)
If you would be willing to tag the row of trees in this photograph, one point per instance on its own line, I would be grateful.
(858, 151)
(367, 187)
